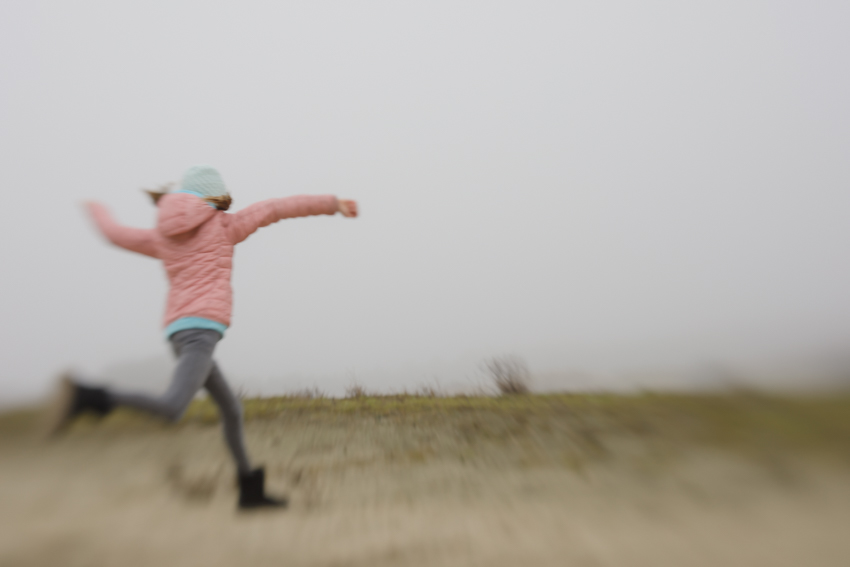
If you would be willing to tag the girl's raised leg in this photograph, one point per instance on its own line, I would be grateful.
(194, 349)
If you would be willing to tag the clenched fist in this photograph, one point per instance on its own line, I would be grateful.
(347, 208)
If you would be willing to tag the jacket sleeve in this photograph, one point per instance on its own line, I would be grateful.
(134, 239)
(243, 224)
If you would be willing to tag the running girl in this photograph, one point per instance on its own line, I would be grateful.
(194, 238)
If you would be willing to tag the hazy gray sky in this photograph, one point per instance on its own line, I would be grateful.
(597, 186)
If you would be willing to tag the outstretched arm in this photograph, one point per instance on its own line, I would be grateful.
(244, 223)
(134, 239)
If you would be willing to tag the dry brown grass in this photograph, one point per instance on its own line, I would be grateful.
(312, 393)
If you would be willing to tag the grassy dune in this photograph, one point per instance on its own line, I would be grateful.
(653, 479)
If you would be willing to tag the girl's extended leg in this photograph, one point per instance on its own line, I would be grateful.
(231, 417)
(194, 349)
(195, 369)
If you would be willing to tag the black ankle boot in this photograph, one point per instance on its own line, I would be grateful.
(94, 400)
(252, 491)
(74, 399)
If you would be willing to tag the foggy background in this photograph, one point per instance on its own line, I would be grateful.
(625, 194)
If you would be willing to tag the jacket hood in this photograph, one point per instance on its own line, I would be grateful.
(180, 213)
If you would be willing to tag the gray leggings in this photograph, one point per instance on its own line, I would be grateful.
(195, 370)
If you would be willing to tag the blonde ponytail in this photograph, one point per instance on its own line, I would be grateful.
(159, 192)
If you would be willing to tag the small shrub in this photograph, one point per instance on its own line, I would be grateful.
(427, 391)
(356, 391)
(510, 374)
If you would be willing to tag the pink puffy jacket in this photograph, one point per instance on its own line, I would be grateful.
(195, 242)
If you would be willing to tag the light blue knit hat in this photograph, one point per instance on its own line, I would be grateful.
(204, 181)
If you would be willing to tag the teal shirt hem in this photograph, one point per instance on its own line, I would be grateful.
(194, 323)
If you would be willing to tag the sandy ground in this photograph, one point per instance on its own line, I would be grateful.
(366, 489)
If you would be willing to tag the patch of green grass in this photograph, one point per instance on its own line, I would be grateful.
(742, 421)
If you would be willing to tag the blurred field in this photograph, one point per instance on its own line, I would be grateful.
(585, 480)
